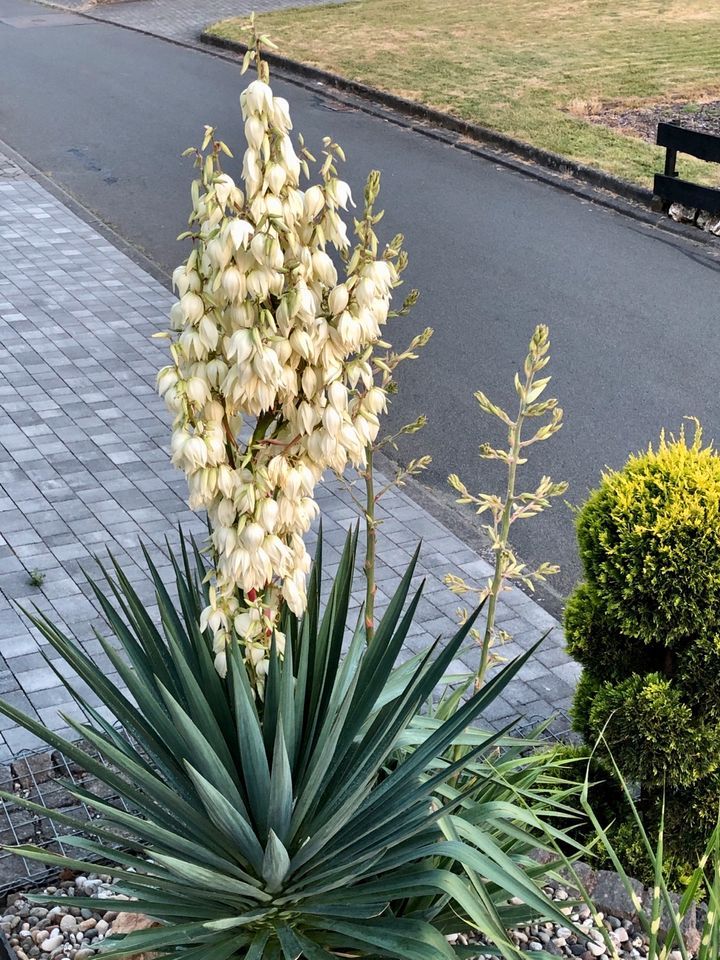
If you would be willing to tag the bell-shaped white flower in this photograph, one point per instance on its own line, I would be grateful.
(239, 233)
(255, 131)
(259, 98)
(192, 307)
(314, 201)
(197, 391)
(224, 186)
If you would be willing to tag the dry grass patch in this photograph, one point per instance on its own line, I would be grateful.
(535, 69)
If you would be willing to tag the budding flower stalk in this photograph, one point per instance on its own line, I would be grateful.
(514, 506)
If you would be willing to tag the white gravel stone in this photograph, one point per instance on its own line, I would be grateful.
(52, 942)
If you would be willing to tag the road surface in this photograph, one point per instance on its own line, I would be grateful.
(633, 312)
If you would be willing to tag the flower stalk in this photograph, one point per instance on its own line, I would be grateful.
(370, 547)
(513, 506)
(267, 334)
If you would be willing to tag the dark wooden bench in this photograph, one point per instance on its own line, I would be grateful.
(669, 188)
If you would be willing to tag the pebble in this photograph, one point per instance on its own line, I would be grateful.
(52, 942)
(59, 932)
(72, 933)
(558, 940)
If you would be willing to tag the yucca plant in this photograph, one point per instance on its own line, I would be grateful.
(320, 822)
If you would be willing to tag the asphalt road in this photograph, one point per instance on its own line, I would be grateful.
(633, 312)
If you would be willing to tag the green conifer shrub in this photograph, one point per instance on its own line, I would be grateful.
(645, 625)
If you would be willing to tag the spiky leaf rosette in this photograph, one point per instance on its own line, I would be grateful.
(318, 822)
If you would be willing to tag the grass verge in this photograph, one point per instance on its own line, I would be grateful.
(533, 69)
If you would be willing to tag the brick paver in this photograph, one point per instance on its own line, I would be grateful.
(84, 465)
(175, 19)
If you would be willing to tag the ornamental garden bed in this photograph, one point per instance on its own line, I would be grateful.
(31, 930)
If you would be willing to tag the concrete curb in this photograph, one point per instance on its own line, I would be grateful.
(580, 179)
(438, 118)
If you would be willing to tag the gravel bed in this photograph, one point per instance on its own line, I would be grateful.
(53, 931)
(561, 941)
(56, 931)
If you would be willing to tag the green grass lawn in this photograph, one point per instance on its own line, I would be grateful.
(528, 68)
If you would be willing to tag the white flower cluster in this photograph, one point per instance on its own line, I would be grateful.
(264, 329)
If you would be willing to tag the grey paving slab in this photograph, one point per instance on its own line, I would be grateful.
(84, 466)
(175, 19)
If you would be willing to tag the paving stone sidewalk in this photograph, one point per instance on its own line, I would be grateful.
(175, 19)
(84, 465)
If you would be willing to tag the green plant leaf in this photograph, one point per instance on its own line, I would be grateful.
(276, 863)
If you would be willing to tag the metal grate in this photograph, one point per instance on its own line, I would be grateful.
(38, 776)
